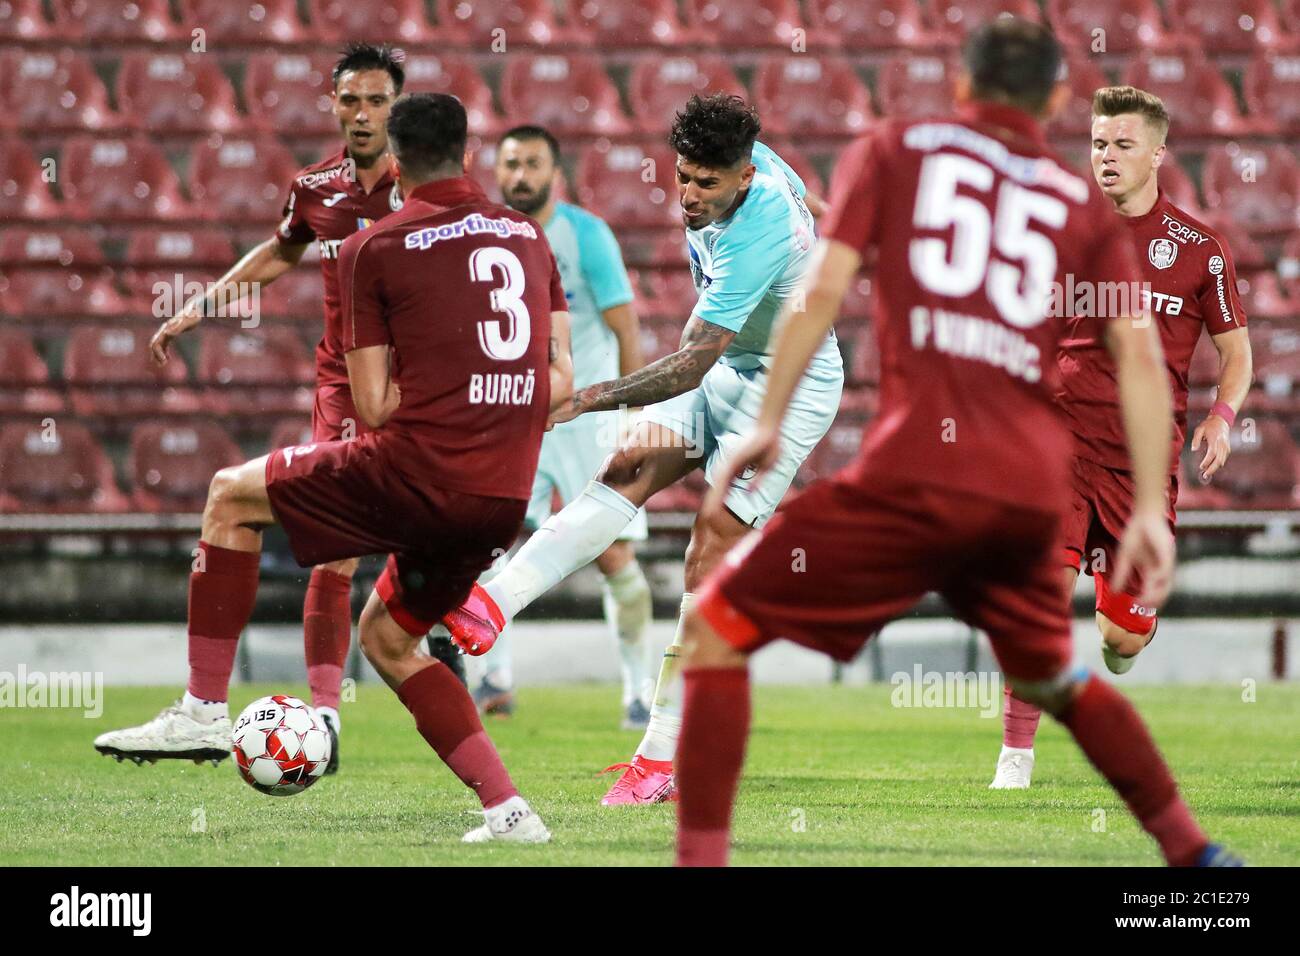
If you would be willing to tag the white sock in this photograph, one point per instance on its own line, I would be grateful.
(333, 716)
(660, 740)
(627, 611)
(570, 539)
(204, 711)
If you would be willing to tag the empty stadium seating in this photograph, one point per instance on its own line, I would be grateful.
(1257, 187)
(954, 19)
(226, 22)
(241, 179)
(179, 246)
(263, 371)
(119, 178)
(730, 24)
(1193, 90)
(171, 465)
(55, 466)
(1272, 89)
(567, 94)
(49, 90)
(1109, 26)
(25, 20)
(915, 85)
(812, 96)
(99, 21)
(290, 93)
(1084, 76)
(1227, 26)
(24, 377)
(448, 73)
(620, 23)
(630, 185)
(858, 25)
(394, 21)
(109, 372)
(169, 93)
(24, 188)
(660, 85)
(289, 432)
(502, 25)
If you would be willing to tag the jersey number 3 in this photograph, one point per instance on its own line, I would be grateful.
(1018, 283)
(504, 339)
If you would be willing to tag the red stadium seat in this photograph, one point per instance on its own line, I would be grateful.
(486, 24)
(115, 179)
(161, 246)
(24, 378)
(171, 465)
(869, 24)
(660, 335)
(57, 272)
(98, 21)
(566, 94)
(1197, 96)
(1263, 472)
(1084, 76)
(914, 86)
(298, 294)
(630, 23)
(1246, 252)
(1180, 186)
(660, 86)
(289, 432)
(177, 94)
(1290, 10)
(1257, 187)
(954, 19)
(857, 304)
(812, 96)
(801, 164)
(1272, 88)
(670, 249)
(1263, 296)
(53, 91)
(448, 73)
(1277, 361)
(56, 467)
(671, 293)
(245, 21)
(25, 20)
(1288, 265)
(290, 93)
(395, 21)
(244, 179)
(732, 24)
(260, 371)
(24, 189)
(630, 186)
(109, 372)
(162, 291)
(1122, 26)
(1227, 26)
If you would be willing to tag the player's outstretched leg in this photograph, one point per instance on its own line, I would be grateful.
(627, 606)
(327, 637)
(447, 719)
(652, 459)
(1016, 761)
(715, 728)
(1117, 741)
(1126, 626)
(222, 590)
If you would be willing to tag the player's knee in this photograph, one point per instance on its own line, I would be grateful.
(711, 538)
(1052, 695)
(344, 569)
(622, 469)
(1122, 642)
(702, 646)
(376, 643)
(223, 494)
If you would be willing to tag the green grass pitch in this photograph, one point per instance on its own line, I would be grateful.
(835, 776)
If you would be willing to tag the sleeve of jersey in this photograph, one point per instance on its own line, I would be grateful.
(1220, 305)
(363, 319)
(559, 301)
(294, 229)
(602, 266)
(743, 268)
(852, 218)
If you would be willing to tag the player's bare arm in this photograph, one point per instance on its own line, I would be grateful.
(701, 345)
(1147, 409)
(798, 335)
(264, 263)
(561, 358)
(1236, 369)
(375, 393)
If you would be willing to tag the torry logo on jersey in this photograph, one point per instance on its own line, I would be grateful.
(1182, 233)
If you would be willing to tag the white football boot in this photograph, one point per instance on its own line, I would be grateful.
(1015, 767)
(172, 735)
(513, 822)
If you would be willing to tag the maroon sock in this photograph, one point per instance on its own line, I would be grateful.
(710, 754)
(446, 717)
(221, 602)
(327, 634)
(1117, 742)
(1019, 721)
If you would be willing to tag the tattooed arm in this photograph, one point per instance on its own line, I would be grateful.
(702, 343)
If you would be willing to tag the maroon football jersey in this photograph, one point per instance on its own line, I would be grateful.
(1193, 285)
(328, 204)
(463, 290)
(974, 220)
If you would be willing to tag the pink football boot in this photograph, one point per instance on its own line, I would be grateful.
(476, 624)
(643, 781)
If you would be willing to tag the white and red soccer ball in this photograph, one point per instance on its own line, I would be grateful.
(280, 745)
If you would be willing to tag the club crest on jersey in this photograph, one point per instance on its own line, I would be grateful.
(1162, 253)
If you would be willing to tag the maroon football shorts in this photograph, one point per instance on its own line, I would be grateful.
(345, 499)
(1101, 501)
(333, 416)
(840, 561)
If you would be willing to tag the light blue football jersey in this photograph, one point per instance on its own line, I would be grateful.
(747, 265)
(594, 278)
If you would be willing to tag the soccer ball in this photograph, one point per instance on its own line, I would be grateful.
(281, 746)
